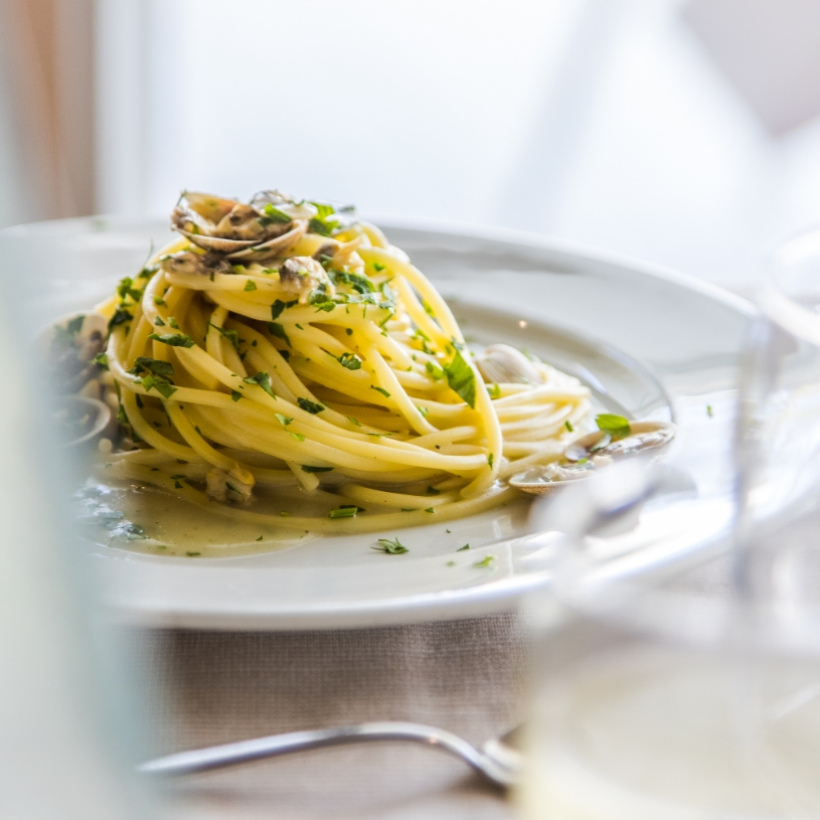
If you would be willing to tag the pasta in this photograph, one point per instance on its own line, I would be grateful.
(284, 351)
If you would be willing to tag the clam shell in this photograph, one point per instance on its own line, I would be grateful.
(537, 480)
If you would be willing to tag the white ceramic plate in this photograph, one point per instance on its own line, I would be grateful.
(649, 344)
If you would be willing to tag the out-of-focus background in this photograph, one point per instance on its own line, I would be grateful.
(685, 132)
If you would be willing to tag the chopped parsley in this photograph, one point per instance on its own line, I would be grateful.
(423, 410)
(278, 306)
(434, 370)
(394, 547)
(378, 267)
(310, 406)
(359, 283)
(250, 285)
(120, 317)
(353, 421)
(283, 420)
(309, 468)
(568, 425)
(485, 562)
(158, 322)
(324, 223)
(173, 339)
(494, 390)
(709, 411)
(173, 323)
(155, 366)
(236, 395)
(345, 511)
(380, 390)
(101, 359)
(490, 459)
(231, 335)
(462, 549)
(617, 426)
(275, 329)
(261, 379)
(461, 378)
(430, 510)
(273, 214)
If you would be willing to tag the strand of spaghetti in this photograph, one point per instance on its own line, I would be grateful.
(146, 432)
(195, 441)
(340, 449)
(388, 381)
(368, 495)
(421, 283)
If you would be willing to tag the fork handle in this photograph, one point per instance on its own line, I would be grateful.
(245, 751)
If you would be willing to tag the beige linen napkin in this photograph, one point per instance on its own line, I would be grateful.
(209, 687)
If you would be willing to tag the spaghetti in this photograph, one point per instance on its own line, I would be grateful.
(285, 350)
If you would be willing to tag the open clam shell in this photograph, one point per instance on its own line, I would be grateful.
(592, 452)
(81, 419)
(235, 229)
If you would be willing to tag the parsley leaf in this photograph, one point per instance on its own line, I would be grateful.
(380, 390)
(465, 547)
(278, 306)
(486, 562)
(231, 335)
(236, 395)
(617, 426)
(275, 329)
(461, 378)
(394, 547)
(173, 339)
(283, 420)
(345, 511)
(568, 425)
(250, 285)
(155, 366)
(273, 214)
(309, 468)
(434, 370)
(324, 223)
(120, 317)
(310, 406)
(261, 379)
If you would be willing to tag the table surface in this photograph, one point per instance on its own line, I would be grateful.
(465, 676)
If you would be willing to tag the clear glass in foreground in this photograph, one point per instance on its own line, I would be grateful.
(668, 694)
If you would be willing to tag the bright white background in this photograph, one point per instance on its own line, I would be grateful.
(601, 122)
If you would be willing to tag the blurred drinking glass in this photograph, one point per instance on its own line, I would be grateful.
(665, 692)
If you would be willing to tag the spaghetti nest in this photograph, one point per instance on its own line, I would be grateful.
(300, 371)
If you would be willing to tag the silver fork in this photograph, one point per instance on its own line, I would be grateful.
(497, 760)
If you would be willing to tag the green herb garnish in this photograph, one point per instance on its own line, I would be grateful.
(309, 468)
(486, 562)
(275, 329)
(394, 547)
(380, 390)
(461, 378)
(173, 339)
(617, 426)
(261, 379)
(310, 406)
(231, 335)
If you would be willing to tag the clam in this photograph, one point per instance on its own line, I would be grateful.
(592, 452)
(82, 419)
(69, 347)
(503, 364)
(241, 232)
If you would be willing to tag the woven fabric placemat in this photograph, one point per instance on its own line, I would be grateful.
(215, 687)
